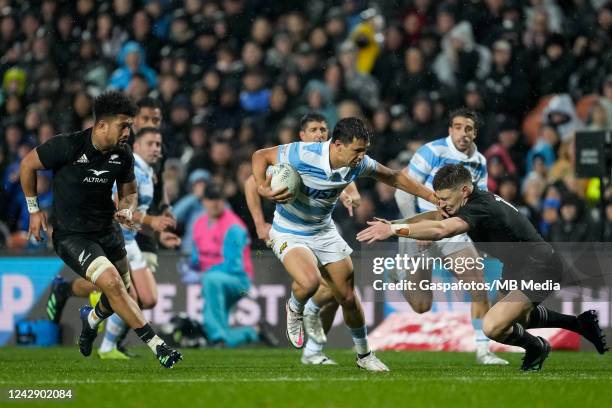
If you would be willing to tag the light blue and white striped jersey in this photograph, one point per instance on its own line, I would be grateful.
(434, 155)
(311, 210)
(144, 179)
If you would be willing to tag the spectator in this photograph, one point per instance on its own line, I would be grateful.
(506, 85)
(574, 223)
(131, 60)
(363, 87)
(560, 113)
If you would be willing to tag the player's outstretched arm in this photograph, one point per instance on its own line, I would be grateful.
(404, 182)
(380, 230)
(261, 160)
(350, 197)
(254, 203)
(27, 176)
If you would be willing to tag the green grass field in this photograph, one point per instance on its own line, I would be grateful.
(275, 378)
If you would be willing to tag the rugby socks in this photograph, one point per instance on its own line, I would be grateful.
(147, 334)
(360, 339)
(295, 305)
(482, 341)
(114, 327)
(540, 316)
(521, 338)
(96, 316)
(312, 347)
(311, 308)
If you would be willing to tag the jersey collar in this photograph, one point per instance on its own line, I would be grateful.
(452, 147)
(139, 161)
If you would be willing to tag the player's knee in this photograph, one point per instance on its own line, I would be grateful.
(493, 328)
(148, 301)
(348, 300)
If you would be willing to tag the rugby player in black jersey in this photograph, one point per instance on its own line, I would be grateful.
(149, 115)
(487, 218)
(86, 232)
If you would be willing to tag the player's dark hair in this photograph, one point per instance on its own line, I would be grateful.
(311, 117)
(451, 176)
(145, 131)
(148, 102)
(464, 113)
(113, 103)
(348, 129)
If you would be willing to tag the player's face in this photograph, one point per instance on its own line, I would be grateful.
(147, 117)
(214, 208)
(351, 154)
(117, 129)
(462, 133)
(148, 147)
(451, 199)
(314, 132)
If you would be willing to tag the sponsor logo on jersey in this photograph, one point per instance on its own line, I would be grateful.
(282, 247)
(98, 172)
(96, 179)
(83, 159)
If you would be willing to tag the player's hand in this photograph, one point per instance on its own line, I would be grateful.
(263, 231)
(377, 231)
(168, 213)
(350, 201)
(281, 195)
(382, 220)
(423, 245)
(124, 217)
(169, 239)
(38, 221)
(160, 223)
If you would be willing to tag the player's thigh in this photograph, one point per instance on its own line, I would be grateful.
(79, 252)
(301, 264)
(297, 258)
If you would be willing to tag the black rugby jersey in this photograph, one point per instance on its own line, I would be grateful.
(83, 179)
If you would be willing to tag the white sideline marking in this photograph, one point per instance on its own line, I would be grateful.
(369, 378)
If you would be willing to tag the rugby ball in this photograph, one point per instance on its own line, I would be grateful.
(284, 175)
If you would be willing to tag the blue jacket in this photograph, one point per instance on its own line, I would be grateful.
(122, 76)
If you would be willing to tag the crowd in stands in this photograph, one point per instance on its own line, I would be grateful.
(236, 75)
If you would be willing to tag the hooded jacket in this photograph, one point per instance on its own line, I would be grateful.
(122, 76)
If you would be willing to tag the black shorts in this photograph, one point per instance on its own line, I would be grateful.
(78, 250)
(537, 273)
(147, 243)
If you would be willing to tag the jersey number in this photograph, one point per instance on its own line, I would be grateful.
(498, 198)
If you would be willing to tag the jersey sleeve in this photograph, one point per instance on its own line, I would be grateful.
(127, 173)
(421, 164)
(55, 152)
(289, 154)
(474, 213)
(366, 167)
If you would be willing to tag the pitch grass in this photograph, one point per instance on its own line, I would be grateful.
(275, 378)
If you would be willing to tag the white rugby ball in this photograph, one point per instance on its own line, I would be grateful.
(284, 175)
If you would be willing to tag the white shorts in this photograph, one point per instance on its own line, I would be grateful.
(443, 247)
(327, 245)
(135, 256)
